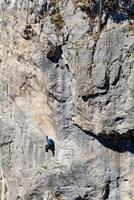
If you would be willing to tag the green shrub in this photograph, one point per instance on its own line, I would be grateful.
(56, 17)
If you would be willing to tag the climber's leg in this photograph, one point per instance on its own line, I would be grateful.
(46, 148)
(52, 148)
(53, 152)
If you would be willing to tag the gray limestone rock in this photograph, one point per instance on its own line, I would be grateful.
(60, 78)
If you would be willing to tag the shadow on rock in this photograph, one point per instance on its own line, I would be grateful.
(119, 143)
(117, 10)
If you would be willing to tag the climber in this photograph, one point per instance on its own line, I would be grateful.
(50, 145)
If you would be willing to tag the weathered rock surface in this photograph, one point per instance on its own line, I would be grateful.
(60, 77)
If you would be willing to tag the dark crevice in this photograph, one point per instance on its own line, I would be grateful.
(6, 143)
(55, 54)
(118, 76)
(107, 102)
(65, 40)
(115, 142)
(107, 191)
(28, 33)
(119, 119)
(117, 181)
(60, 100)
(91, 96)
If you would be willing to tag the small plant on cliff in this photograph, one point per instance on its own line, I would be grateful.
(83, 4)
(57, 19)
(117, 10)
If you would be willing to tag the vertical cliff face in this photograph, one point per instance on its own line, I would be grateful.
(69, 75)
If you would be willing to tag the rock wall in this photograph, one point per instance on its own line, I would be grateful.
(65, 76)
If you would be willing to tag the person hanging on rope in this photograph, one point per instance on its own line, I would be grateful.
(50, 145)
